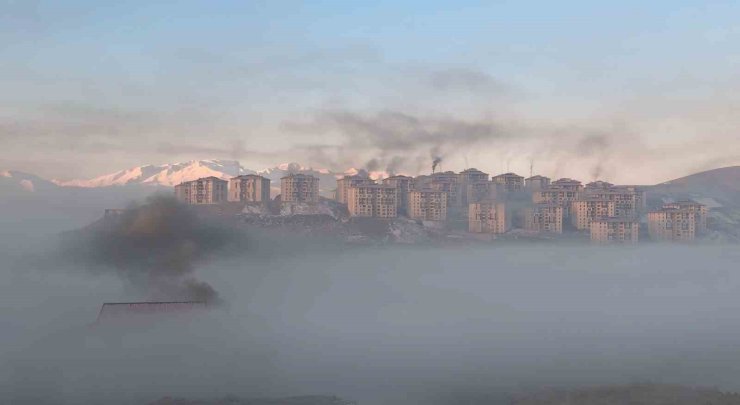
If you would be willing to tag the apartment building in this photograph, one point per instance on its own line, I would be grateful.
(586, 208)
(629, 200)
(206, 190)
(446, 182)
(373, 200)
(560, 192)
(614, 230)
(536, 183)
(427, 205)
(347, 182)
(299, 188)
(481, 191)
(488, 217)
(672, 224)
(700, 212)
(249, 188)
(511, 182)
(404, 184)
(466, 178)
(544, 218)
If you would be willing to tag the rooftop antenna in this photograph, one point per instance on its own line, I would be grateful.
(531, 168)
(466, 163)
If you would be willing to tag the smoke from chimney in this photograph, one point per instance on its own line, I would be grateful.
(435, 162)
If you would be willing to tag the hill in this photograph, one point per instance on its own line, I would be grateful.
(721, 185)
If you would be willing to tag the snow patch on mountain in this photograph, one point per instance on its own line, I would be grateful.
(166, 175)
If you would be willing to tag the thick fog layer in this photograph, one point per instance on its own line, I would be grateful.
(379, 325)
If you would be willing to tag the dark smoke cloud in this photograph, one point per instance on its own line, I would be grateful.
(155, 246)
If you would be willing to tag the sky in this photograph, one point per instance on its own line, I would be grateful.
(630, 92)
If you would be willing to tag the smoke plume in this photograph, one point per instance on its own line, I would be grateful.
(155, 246)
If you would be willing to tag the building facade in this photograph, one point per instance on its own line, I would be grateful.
(536, 183)
(544, 218)
(614, 230)
(560, 192)
(427, 205)
(249, 188)
(672, 224)
(206, 190)
(488, 217)
(346, 182)
(700, 212)
(585, 209)
(464, 179)
(511, 182)
(299, 188)
(373, 200)
(403, 185)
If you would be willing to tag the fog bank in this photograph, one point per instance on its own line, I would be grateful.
(381, 325)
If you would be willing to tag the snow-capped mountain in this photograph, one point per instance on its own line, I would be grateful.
(166, 175)
(171, 174)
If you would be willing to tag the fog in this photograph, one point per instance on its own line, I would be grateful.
(378, 325)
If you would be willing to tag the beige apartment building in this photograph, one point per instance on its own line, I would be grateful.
(373, 200)
(299, 188)
(536, 183)
(403, 185)
(560, 192)
(614, 230)
(481, 191)
(544, 218)
(586, 208)
(672, 224)
(488, 217)
(446, 182)
(700, 212)
(249, 188)
(510, 181)
(628, 200)
(206, 190)
(464, 179)
(427, 205)
(347, 182)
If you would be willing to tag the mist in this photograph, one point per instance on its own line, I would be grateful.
(378, 325)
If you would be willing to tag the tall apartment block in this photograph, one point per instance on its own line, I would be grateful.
(373, 200)
(206, 190)
(544, 218)
(614, 230)
(481, 191)
(428, 205)
(249, 188)
(699, 210)
(466, 178)
(510, 181)
(488, 217)
(404, 184)
(629, 200)
(299, 188)
(346, 182)
(446, 182)
(560, 192)
(586, 208)
(672, 224)
(536, 183)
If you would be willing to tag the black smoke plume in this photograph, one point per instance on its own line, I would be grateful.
(435, 162)
(156, 246)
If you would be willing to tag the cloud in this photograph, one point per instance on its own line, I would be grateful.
(466, 80)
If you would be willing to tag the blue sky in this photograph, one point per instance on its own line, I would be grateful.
(97, 86)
